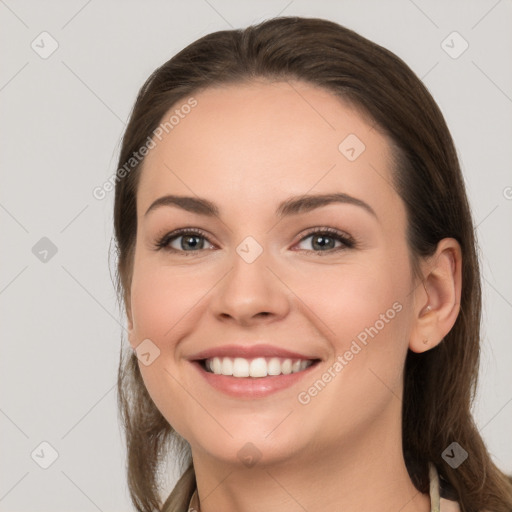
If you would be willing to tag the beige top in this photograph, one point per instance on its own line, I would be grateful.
(437, 504)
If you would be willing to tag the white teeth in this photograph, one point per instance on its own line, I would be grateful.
(274, 367)
(227, 366)
(216, 365)
(258, 367)
(240, 367)
(286, 367)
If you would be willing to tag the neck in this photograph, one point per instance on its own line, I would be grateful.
(367, 473)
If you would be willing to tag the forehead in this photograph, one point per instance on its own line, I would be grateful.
(256, 143)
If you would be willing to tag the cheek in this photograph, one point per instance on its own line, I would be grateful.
(163, 311)
(161, 299)
(363, 310)
(349, 298)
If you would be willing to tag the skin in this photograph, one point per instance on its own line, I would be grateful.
(247, 148)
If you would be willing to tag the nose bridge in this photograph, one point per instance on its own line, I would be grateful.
(250, 287)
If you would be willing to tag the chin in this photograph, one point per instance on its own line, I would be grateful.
(250, 453)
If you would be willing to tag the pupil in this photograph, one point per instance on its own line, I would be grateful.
(320, 241)
(186, 240)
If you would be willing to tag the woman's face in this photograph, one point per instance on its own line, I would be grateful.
(260, 286)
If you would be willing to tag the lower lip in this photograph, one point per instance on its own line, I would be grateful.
(252, 387)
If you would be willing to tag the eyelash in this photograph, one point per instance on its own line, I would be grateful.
(347, 240)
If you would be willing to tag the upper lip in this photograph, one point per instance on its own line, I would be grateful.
(249, 352)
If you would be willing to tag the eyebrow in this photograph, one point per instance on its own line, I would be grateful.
(292, 206)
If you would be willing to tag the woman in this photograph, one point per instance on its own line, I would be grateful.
(298, 265)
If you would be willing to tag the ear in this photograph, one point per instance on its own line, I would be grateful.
(437, 299)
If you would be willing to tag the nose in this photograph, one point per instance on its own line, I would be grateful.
(251, 293)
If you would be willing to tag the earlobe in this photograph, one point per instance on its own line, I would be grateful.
(437, 302)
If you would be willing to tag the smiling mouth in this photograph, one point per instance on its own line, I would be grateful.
(257, 367)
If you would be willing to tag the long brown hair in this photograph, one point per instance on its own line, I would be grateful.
(439, 385)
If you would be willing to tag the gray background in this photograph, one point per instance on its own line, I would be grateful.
(62, 119)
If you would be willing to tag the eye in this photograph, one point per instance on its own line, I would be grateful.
(183, 240)
(324, 240)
